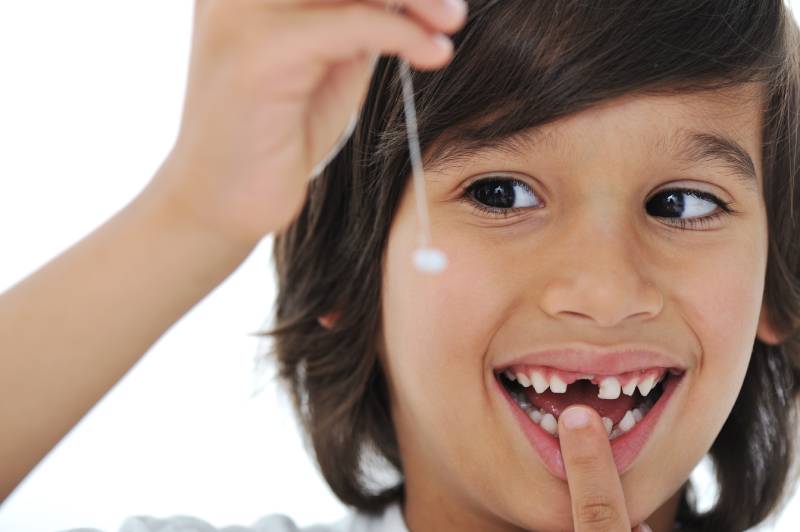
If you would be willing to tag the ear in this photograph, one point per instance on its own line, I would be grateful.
(766, 331)
(329, 319)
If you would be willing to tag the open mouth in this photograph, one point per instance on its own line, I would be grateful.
(623, 401)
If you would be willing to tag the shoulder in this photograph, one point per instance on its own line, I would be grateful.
(391, 520)
(185, 523)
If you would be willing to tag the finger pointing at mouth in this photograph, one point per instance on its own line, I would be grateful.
(598, 502)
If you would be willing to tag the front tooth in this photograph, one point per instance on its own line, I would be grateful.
(629, 388)
(627, 422)
(557, 385)
(549, 423)
(609, 388)
(510, 375)
(646, 385)
(540, 384)
(609, 424)
(523, 379)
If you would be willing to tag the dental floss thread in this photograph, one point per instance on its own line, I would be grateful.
(427, 259)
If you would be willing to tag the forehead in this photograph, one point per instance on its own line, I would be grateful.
(721, 128)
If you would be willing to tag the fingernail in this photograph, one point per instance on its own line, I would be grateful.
(455, 6)
(443, 41)
(575, 417)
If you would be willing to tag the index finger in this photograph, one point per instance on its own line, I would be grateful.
(443, 16)
(595, 489)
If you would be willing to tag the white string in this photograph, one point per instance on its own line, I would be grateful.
(426, 258)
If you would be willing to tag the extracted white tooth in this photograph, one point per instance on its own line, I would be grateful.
(510, 375)
(608, 424)
(523, 380)
(629, 388)
(609, 388)
(627, 422)
(646, 385)
(535, 415)
(540, 384)
(549, 423)
(557, 385)
(637, 414)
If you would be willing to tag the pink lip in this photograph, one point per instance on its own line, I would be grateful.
(625, 448)
(599, 362)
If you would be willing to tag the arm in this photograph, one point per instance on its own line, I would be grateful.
(73, 328)
(270, 91)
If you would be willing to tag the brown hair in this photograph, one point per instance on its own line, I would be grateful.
(520, 64)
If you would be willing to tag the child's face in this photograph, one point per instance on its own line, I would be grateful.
(590, 260)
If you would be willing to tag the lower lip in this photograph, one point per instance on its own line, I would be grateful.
(625, 447)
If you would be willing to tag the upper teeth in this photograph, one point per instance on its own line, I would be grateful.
(610, 386)
(629, 388)
(557, 385)
(647, 384)
(538, 381)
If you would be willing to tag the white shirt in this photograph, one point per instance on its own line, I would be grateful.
(391, 520)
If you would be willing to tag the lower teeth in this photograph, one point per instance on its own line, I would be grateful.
(549, 422)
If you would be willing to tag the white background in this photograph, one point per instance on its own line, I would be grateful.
(90, 104)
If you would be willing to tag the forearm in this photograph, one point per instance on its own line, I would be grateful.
(73, 328)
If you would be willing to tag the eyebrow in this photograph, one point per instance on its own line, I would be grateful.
(721, 150)
(691, 146)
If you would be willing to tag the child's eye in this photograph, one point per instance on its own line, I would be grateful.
(500, 197)
(503, 197)
(680, 200)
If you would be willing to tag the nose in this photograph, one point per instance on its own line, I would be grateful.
(597, 276)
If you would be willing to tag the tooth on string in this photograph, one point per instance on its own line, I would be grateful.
(427, 259)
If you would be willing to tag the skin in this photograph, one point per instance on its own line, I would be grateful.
(523, 283)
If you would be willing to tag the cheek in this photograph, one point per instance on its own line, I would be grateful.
(718, 294)
(722, 297)
(437, 329)
(439, 322)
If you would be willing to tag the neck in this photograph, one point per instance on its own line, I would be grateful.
(417, 519)
(663, 519)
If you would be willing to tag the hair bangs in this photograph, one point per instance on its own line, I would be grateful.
(525, 63)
